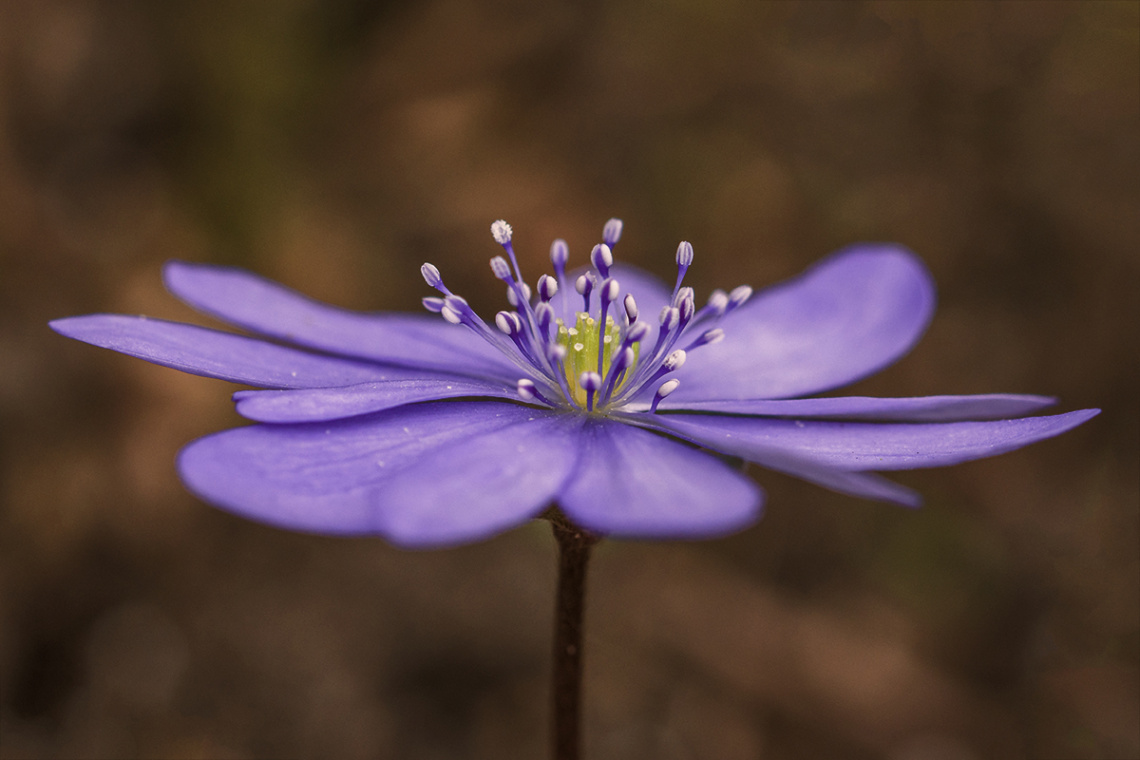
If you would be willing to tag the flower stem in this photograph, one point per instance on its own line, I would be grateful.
(574, 545)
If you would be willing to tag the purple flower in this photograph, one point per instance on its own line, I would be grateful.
(597, 392)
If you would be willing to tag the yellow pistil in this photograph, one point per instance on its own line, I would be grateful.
(581, 344)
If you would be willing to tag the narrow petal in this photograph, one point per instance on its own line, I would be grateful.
(201, 351)
(850, 315)
(411, 340)
(423, 475)
(315, 404)
(993, 406)
(633, 483)
(863, 445)
(864, 485)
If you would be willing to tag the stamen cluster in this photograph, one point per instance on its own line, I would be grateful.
(597, 357)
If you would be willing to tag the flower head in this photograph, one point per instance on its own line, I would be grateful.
(596, 391)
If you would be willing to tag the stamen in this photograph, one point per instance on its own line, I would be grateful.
(501, 231)
(433, 279)
(707, 338)
(618, 365)
(451, 315)
(544, 316)
(602, 258)
(528, 391)
(547, 287)
(559, 254)
(714, 309)
(684, 261)
(738, 297)
(590, 382)
(611, 233)
(630, 308)
(513, 297)
(609, 293)
(500, 268)
(584, 285)
(508, 323)
(666, 388)
(434, 305)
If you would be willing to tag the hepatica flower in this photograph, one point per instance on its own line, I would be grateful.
(603, 391)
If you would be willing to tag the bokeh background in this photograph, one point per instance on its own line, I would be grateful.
(335, 146)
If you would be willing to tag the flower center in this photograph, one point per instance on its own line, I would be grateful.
(599, 364)
(584, 342)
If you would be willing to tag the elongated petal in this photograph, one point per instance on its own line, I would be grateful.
(633, 483)
(201, 351)
(864, 445)
(864, 485)
(316, 404)
(848, 316)
(267, 308)
(994, 406)
(422, 475)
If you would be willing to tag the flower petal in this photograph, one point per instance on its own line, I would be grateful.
(423, 475)
(201, 351)
(993, 406)
(864, 485)
(862, 445)
(243, 299)
(314, 404)
(633, 483)
(848, 316)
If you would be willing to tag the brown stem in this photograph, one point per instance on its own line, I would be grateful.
(574, 545)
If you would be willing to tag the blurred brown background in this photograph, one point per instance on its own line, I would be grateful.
(337, 145)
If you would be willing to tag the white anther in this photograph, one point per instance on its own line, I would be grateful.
(670, 316)
(526, 389)
(431, 275)
(715, 335)
(663, 390)
(668, 387)
(611, 233)
(508, 323)
(556, 352)
(433, 305)
(738, 296)
(513, 299)
(637, 332)
(718, 301)
(590, 381)
(602, 258)
(500, 268)
(630, 307)
(686, 306)
(623, 359)
(610, 290)
(451, 315)
(547, 287)
(674, 361)
(544, 314)
(559, 253)
(684, 254)
(501, 231)
(582, 284)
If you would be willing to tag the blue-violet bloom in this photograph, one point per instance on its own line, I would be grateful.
(602, 391)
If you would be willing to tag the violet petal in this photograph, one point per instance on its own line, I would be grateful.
(251, 302)
(202, 351)
(992, 406)
(633, 483)
(850, 315)
(863, 445)
(424, 475)
(314, 404)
